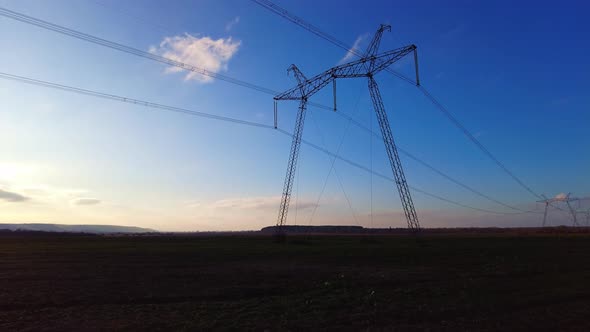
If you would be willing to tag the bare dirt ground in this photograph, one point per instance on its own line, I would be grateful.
(455, 282)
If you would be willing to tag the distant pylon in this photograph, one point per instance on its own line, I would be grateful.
(560, 198)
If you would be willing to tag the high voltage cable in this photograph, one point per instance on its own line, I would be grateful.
(332, 166)
(129, 100)
(144, 103)
(475, 141)
(269, 5)
(167, 29)
(120, 47)
(366, 169)
(131, 50)
(124, 48)
(434, 169)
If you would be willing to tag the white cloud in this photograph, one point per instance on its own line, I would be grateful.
(354, 49)
(203, 52)
(86, 201)
(13, 197)
(258, 203)
(232, 23)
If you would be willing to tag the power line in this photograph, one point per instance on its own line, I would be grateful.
(166, 28)
(318, 32)
(131, 50)
(144, 103)
(368, 170)
(269, 5)
(333, 167)
(475, 141)
(120, 47)
(129, 100)
(457, 182)
(76, 34)
(127, 49)
(434, 169)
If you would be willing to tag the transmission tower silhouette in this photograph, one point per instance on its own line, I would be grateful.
(587, 213)
(366, 67)
(567, 200)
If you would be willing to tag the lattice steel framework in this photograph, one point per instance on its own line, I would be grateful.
(567, 200)
(394, 161)
(369, 65)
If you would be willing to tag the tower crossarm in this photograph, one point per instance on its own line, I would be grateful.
(364, 67)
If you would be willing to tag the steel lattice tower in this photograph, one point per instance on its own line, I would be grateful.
(567, 199)
(369, 65)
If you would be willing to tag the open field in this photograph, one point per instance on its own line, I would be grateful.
(475, 282)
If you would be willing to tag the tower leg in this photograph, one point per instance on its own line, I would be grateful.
(292, 165)
(545, 214)
(574, 217)
(396, 165)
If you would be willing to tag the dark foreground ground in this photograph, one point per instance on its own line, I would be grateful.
(454, 282)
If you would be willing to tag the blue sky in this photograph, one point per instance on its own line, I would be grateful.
(514, 74)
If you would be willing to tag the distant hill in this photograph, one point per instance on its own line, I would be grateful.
(97, 229)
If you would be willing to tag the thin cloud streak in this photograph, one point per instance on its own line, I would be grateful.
(354, 49)
(86, 201)
(257, 203)
(12, 197)
(232, 23)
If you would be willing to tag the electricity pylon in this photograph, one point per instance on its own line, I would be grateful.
(368, 66)
(567, 199)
